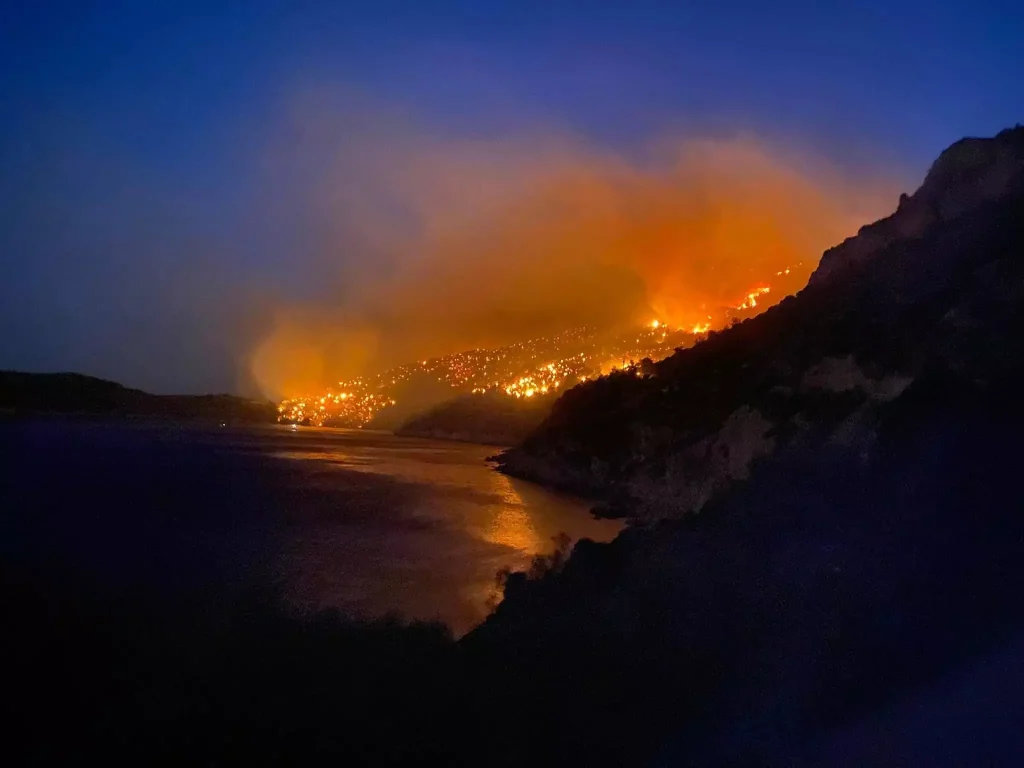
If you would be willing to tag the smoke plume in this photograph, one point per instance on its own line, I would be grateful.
(433, 246)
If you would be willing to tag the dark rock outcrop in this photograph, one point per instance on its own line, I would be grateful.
(853, 583)
(803, 605)
(971, 173)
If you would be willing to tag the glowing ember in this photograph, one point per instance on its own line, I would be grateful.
(750, 300)
(524, 370)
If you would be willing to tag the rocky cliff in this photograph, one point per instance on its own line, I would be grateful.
(967, 176)
(933, 292)
(851, 591)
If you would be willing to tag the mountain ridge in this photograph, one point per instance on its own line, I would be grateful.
(910, 297)
(853, 454)
(967, 174)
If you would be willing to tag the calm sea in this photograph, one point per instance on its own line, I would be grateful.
(365, 522)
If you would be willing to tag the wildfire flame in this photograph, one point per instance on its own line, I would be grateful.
(482, 243)
(527, 369)
(750, 300)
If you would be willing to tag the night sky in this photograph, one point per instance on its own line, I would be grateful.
(161, 185)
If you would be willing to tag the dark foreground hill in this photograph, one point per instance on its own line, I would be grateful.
(837, 574)
(28, 394)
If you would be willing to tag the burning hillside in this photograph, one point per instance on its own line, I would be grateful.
(526, 369)
(424, 247)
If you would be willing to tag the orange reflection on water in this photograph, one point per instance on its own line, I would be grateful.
(511, 524)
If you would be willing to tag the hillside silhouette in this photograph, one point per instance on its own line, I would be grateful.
(491, 418)
(930, 293)
(34, 394)
(828, 568)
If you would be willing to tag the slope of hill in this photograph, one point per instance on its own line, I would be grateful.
(72, 393)
(930, 294)
(855, 569)
(491, 418)
(526, 369)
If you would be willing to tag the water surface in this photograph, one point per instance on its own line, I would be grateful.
(365, 522)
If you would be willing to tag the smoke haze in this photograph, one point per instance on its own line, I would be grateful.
(432, 246)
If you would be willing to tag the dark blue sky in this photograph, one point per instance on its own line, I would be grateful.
(142, 236)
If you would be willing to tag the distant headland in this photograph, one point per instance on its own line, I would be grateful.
(25, 395)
